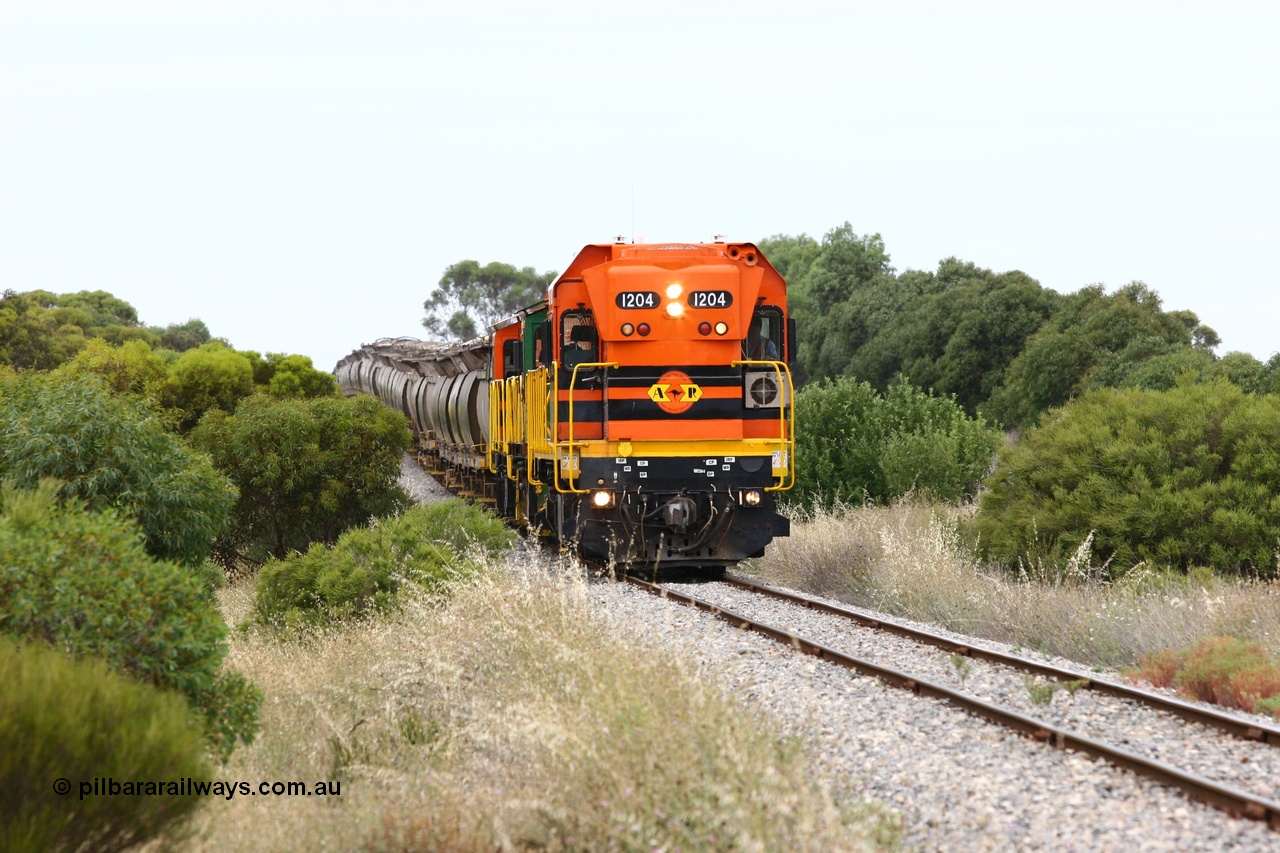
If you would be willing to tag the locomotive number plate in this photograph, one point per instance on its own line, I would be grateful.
(636, 299)
(710, 299)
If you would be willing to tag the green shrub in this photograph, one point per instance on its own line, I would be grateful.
(213, 376)
(1179, 478)
(211, 576)
(32, 334)
(62, 719)
(428, 545)
(853, 444)
(113, 452)
(180, 337)
(81, 581)
(282, 375)
(131, 368)
(1094, 334)
(307, 469)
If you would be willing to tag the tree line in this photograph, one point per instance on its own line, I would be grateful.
(1135, 444)
(1003, 345)
(41, 330)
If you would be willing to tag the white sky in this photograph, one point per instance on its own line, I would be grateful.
(299, 174)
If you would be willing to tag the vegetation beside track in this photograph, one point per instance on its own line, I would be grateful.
(1222, 670)
(364, 572)
(72, 727)
(506, 714)
(912, 559)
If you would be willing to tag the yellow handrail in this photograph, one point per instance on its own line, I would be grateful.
(573, 382)
(787, 437)
(537, 421)
(513, 414)
(497, 430)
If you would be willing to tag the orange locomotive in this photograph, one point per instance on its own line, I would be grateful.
(642, 413)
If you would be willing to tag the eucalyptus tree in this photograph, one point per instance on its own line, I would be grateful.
(470, 297)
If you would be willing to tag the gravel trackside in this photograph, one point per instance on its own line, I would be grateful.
(959, 783)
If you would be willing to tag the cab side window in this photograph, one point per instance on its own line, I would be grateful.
(764, 336)
(578, 341)
(542, 350)
(512, 358)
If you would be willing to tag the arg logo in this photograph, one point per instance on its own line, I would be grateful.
(674, 392)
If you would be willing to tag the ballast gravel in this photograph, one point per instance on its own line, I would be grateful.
(959, 783)
(1249, 766)
(420, 485)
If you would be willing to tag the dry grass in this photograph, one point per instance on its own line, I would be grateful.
(510, 719)
(910, 559)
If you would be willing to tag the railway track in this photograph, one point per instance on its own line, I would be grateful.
(1227, 723)
(1228, 796)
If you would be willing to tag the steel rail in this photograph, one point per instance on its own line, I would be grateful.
(1242, 729)
(1226, 798)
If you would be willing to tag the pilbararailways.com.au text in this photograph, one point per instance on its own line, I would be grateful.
(109, 787)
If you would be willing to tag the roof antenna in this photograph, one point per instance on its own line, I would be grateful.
(633, 212)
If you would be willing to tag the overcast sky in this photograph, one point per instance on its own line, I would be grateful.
(299, 174)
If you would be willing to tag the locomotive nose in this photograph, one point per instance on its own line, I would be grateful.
(679, 513)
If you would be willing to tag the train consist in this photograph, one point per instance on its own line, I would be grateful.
(641, 414)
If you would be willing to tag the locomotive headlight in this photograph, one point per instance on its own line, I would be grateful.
(674, 309)
(751, 498)
(601, 499)
(722, 328)
(628, 329)
(674, 289)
